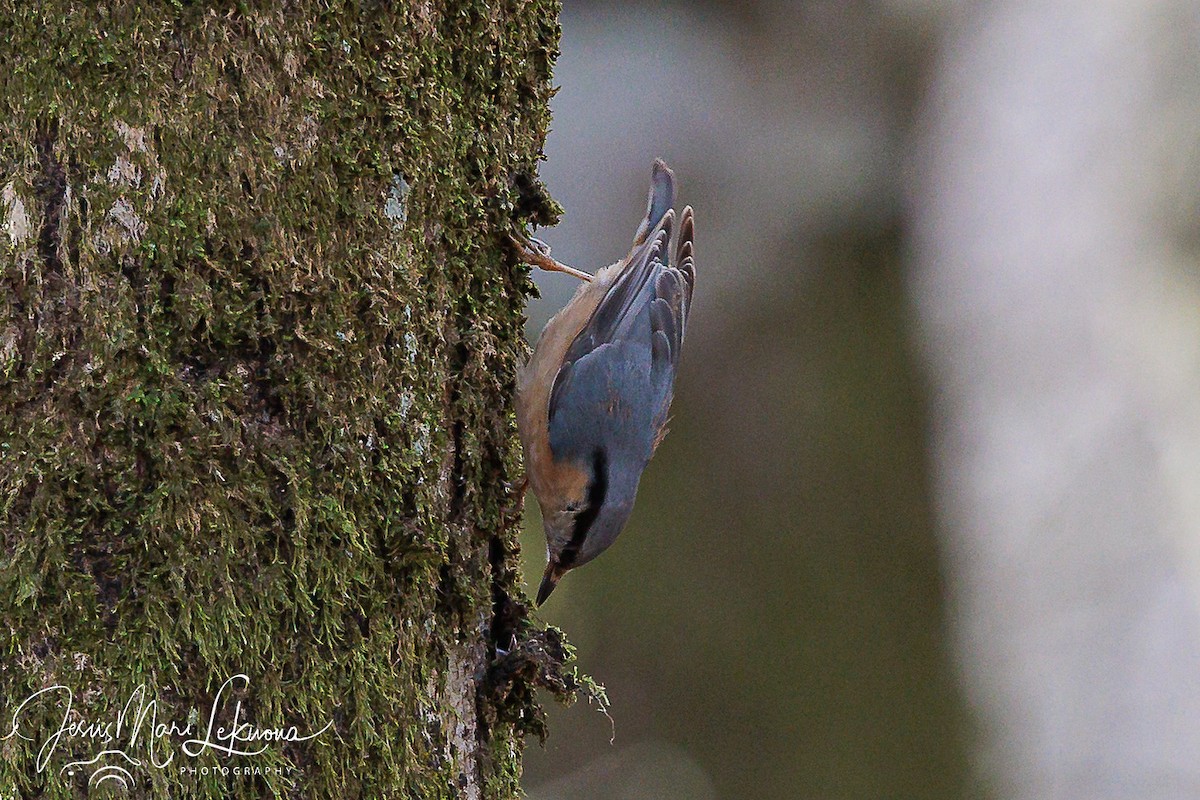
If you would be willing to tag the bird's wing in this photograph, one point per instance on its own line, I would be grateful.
(617, 379)
(603, 405)
(629, 293)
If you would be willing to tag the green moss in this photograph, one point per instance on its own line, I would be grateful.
(252, 419)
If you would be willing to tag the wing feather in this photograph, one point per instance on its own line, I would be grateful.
(628, 293)
(627, 353)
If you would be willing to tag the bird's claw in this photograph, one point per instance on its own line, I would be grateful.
(537, 253)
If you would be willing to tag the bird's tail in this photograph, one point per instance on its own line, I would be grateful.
(662, 198)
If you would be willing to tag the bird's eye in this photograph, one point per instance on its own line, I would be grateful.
(574, 508)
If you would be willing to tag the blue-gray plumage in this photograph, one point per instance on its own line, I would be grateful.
(592, 402)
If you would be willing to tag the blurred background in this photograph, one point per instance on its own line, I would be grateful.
(927, 524)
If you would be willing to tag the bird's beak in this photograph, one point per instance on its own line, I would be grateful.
(549, 580)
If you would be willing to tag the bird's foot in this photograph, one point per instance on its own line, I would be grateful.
(537, 253)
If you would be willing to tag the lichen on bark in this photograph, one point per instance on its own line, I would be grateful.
(258, 332)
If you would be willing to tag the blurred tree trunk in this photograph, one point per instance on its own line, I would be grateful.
(1058, 280)
(257, 339)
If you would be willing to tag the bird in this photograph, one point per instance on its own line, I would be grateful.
(592, 401)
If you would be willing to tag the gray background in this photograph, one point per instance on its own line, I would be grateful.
(926, 521)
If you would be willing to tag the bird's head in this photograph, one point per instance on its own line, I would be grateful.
(583, 526)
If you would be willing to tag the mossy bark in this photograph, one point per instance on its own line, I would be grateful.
(258, 333)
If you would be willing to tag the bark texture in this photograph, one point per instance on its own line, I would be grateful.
(258, 331)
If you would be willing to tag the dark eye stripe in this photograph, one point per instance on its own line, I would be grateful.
(595, 500)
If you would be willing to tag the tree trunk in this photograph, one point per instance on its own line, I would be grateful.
(258, 333)
(1056, 218)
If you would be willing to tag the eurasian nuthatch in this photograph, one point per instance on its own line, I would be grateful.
(592, 401)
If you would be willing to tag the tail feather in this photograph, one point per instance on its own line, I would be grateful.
(661, 198)
(684, 260)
